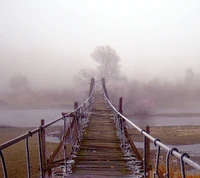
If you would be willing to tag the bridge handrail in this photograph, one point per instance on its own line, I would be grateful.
(157, 142)
(34, 131)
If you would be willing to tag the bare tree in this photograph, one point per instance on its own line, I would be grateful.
(84, 76)
(19, 83)
(189, 75)
(108, 60)
(82, 83)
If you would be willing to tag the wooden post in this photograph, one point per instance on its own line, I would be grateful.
(43, 146)
(49, 170)
(120, 105)
(91, 85)
(104, 87)
(147, 152)
(133, 147)
(75, 105)
(76, 121)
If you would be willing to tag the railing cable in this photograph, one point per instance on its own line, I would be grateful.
(28, 157)
(3, 165)
(154, 140)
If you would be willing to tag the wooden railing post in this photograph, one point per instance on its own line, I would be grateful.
(133, 147)
(76, 121)
(75, 105)
(104, 87)
(43, 147)
(91, 85)
(147, 159)
(120, 105)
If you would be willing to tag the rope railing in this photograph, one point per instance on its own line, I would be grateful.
(183, 157)
(79, 114)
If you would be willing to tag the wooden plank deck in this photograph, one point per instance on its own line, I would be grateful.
(100, 154)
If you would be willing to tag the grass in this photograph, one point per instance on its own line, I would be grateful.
(174, 172)
(15, 155)
(173, 135)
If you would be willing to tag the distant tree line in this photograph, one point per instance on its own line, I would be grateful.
(140, 97)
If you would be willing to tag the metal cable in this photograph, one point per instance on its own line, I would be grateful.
(158, 143)
(28, 158)
(3, 165)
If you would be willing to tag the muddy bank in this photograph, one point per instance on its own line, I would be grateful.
(172, 135)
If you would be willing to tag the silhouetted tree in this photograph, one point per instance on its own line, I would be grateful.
(108, 61)
(189, 75)
(82, 84)
(19, 83)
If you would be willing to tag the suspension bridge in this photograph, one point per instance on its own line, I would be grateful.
(94, 141)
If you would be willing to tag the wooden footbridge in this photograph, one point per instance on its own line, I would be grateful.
(94, 142)
(100, 152)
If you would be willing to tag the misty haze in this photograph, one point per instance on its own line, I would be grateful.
(145, 55)
(49, 52)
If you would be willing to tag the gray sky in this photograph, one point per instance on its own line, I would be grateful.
(50, 40)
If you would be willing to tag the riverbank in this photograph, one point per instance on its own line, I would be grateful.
(172, 135)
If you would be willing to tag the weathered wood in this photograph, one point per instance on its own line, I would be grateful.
(104, 87)
(43, 143)
(76, 122)
(100, 153)
(52, 157)
(92, 83)
(133, 147)
(147, 151)
(43, 147)
(120, 105)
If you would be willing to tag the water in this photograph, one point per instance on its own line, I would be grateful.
(32, 117)
(29, 117)
(192, 150)
(143, 121)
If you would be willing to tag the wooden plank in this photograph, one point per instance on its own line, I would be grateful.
(100, 153)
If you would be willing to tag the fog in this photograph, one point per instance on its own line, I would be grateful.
(50, 41)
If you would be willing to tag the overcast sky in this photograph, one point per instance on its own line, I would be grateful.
(50, 40)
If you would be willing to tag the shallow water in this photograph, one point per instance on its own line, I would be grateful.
(32, 117)
(192, 150)
(164, 121)
(29, 117)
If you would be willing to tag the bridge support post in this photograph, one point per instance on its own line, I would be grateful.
(147, 158)
(76, 122)
(120, 105)
(133, 147)
(104, 87)
(91, 86)
(42, 148)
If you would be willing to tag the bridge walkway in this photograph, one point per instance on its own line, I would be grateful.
(100, 154)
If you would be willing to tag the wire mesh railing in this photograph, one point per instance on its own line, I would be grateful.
(123, 122)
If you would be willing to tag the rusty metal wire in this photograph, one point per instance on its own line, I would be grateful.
(182, 157)
(3, 164)
(80, 113)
